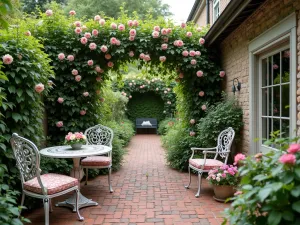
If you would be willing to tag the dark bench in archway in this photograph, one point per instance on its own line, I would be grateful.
(142, 123)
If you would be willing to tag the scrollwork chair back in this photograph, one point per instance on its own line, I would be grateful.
(99, 135)
(225, 140)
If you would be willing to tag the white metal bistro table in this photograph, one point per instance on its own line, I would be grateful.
(66, 151)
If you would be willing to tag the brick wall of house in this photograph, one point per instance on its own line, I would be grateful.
(235, 53)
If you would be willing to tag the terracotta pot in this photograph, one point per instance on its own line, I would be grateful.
(222, 192)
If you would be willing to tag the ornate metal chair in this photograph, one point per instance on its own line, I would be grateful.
(46, 186)
(99, 135)
(225, 140)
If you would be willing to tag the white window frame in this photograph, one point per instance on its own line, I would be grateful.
(280, 33)
(216, 3)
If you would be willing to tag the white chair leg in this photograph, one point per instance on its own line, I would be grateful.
(86, 175)
(46, 209)
(81, 218)
(22, 202)
(187, 186)
(51, 207)
(109, 180)
(199, 184)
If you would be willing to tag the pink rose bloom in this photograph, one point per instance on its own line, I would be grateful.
(113, 40)
(78, 78)
(83, 40)
(131, 38)
(77, 23)
(28, 33)
(103, 48)
(189, 34)
(288, 159)
(199, 73)
(110, 64)
(97, 18)
(98, 79)
(102, 22)
(72, 13)
(165, 39)
(192, 121)
(199, 29)
(118, 43)
(164, 31)
(192, 133)
(75, 72)
(155, 34)
(130, 23)
(121, 27)
(85, 94)
(101, 71)
(49, 12)
(70, 58)
(90, 62)
(130, 96)
(95, 32)
(78, 30)
(192, 53)
(107, 56)
(147, 58)
(198, 53)
(61, 56)
(60, 100)
(113, 26)
(82, 112)
(132, 32)
(169, 30)
(142, 56)
(59, 124)
(183, 25)
(201, 41)
(185, 53)
(135, 23)
(193, 61)
(39, 88)
(92, 46)
(181, 75)
(175, 43)
(7, 59)
(156, 28)
(222, 73)
(162, 58)
(180, 43)
(164, 46)
(203, 107)
(131, 53)
(88, 35)
(239, 157)
(223, 175)
(294, 148)
(201, 93)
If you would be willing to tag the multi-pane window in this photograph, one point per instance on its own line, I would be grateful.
(275, 94)
(216, 10)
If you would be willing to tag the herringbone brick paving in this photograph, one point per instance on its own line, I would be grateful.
(146, 191)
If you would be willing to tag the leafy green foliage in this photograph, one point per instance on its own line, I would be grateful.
(30, 6)
(5, 8)
(270, 190)
(165, 125)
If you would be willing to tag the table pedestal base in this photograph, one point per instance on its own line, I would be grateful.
(83, 202)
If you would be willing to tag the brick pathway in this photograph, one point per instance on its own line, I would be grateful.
(146, 191)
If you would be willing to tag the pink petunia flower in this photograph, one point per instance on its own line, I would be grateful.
(83, 40)
(102, 22)
(104, 48)
(90, 62)
(72, 13)
(39, 88)
(60, 100)
(121, 27)
(289, 159)
(201, 93)
(92, 46)
(78, 78)
(61, 56)
(199, 73)
(70, 58)
(238, 158)
(95, 32)
(97, 18)
(59, 124)
(294, 148)
(201, 41)
(49, 12)
(75, 72)
(7, 59)
(222, 73)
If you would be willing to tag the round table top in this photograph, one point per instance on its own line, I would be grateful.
(66, 151)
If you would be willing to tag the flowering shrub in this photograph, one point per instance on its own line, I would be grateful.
(269, 191)
(224, 175)
(76, 138)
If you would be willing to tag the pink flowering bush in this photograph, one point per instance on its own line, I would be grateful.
(224, 175)
(269, 191)
(75, 138)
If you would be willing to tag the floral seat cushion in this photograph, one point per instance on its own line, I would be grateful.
(96, 161)
(209, 163)
(54, 183)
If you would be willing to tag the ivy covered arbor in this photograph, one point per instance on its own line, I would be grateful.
(84, 51)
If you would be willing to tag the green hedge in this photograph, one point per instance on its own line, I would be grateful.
(165, 125)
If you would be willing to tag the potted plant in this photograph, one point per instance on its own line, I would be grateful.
(76, 140)
(224, 181)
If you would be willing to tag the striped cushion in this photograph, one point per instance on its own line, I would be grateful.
(96, 161)
(209, 163)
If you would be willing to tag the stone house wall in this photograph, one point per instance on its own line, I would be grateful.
(235, 53)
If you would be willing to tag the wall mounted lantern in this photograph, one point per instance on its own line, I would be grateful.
(236, 86)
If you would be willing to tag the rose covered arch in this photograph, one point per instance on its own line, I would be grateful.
(84, 51)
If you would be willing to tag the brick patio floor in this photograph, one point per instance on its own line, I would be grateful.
(146, 191)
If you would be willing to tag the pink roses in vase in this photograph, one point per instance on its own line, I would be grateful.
(76, 140)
